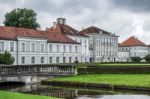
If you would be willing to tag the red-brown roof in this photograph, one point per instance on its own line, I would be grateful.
(11, 33)
(65, 29)
(132, 41)
(93, 29)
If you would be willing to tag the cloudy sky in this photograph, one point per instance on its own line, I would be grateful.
(124, 17)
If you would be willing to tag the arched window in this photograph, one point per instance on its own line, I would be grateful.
(76, 59)
(57, 59)
(33, 60)
(70, 59)
(23, 60)
(50, 60)
(42, 59)
(64, 59)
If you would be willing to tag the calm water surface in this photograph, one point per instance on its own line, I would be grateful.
(76, 93)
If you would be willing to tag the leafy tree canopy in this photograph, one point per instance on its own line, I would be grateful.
(136, 59)
(25, 18)
(6, 58)
(147, 58)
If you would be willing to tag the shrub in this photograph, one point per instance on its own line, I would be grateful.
(6, 58)
(147, 58)
(136, 59)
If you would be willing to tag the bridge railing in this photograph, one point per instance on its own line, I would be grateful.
(37, 70)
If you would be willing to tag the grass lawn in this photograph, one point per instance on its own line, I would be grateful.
(139, 80)
(10, 95)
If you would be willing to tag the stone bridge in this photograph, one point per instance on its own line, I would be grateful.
(34, 73)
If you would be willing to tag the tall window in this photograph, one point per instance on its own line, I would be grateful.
(57, 59)
(57, 48)
(11, 46)
(85, 41)
(33, 47)
(50, 48)
(42, 59)
(50, 60)
(22, 47)
(23, 60)
(76, 58)
(42, 47)
(1, 46)
(64, 59)
(33, 60)
(70, 48)
(64, 48)
(70, 59)
(76, 49)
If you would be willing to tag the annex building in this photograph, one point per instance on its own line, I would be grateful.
(132, 47)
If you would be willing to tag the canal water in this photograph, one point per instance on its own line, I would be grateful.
(76, 93)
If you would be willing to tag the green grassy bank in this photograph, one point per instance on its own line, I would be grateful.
(135, 80)
(11, 95)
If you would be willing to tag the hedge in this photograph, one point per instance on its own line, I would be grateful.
(115, 70)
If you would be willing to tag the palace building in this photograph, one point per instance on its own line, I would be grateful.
(29, 46)
(103, 45)
(61, 27)
(61, 43)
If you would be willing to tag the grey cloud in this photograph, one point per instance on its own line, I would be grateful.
(133, 5)
(146, 25)
(8, 1)
(57, 6)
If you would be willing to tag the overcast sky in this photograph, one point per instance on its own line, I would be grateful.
(124, 17)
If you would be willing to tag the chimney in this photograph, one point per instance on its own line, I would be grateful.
(61, 21)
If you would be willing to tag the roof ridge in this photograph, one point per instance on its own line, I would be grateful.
(132, 41)
(93, 29)
(12, 33)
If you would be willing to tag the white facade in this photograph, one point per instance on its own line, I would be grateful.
(132, 51)
(103, 47)
(73, 34)
(123, 54)
(28, 50)
(84, 42)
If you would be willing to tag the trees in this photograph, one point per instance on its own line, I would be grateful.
(136, 59)
(147, 58)
(25, 18)
(6, 58)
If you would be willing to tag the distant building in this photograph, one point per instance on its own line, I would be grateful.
(102, 44)
(132, 47)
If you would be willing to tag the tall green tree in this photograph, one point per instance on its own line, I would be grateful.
(147, 58)
(25, 18)
(6, 58)
(136, 59)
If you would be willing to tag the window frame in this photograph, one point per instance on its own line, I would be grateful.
(2, 48)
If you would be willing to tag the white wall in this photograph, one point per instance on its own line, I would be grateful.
(132, 51)
(84, 42)
(104, 47)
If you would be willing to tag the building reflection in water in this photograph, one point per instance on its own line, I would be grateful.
(71, 93)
